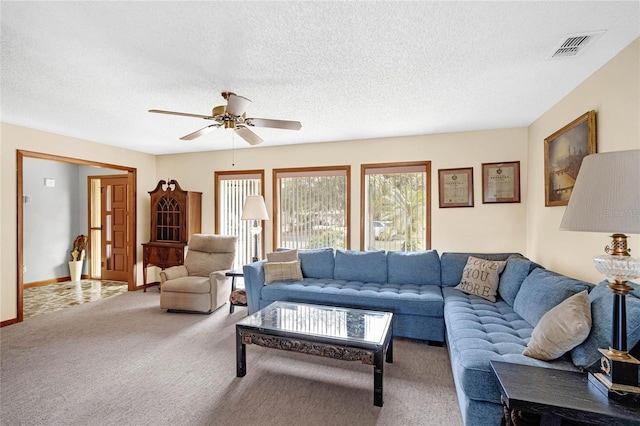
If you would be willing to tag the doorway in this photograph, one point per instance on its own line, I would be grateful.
(127, 218)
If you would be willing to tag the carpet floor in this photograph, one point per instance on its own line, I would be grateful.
(123, 361)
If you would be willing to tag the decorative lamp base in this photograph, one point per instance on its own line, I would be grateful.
(618, 378)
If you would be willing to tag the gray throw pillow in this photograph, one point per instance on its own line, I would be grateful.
(561, 329)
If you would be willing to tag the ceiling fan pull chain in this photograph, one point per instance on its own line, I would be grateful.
(233, 149)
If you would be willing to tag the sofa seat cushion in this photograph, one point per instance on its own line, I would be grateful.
(188, 285)
(423, 300)
(479, 331)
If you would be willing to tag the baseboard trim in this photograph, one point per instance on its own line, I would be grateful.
(51, 281)
(8, 322)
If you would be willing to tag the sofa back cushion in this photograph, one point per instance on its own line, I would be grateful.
(418, 267)
(586, 354)
(365, 266)
(317, 263)
(543, 290)
(452, 265)
(517, 269)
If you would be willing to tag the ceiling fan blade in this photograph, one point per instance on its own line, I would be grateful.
(185, 114)
(200, 132)
(237, 105)
(248, 135)
(277, 124)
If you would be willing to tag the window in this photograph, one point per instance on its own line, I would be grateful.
(396, 205)
(231, 190)
(312, 207)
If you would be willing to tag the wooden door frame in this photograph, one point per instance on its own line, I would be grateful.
(132, 176)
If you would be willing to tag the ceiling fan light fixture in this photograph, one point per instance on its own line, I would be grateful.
(219, 110)
(233, 116)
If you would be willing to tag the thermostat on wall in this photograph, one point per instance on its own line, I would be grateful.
(49, 183)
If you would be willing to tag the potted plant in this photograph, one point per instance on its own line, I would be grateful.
(77, 254)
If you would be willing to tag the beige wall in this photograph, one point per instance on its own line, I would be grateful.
(527, 227)
(485, 227)
(614, 93)
(19, 138)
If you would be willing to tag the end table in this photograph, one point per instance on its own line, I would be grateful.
(559, 394)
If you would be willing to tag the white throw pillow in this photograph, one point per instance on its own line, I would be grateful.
(561, 329)
(481, 277)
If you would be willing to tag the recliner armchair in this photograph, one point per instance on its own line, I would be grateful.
(200, 284)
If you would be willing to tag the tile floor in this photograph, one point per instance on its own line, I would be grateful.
(53, 297)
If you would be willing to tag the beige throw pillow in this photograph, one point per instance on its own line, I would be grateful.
(283, 256)
(561, 329)
(481, 277)
(282, 271)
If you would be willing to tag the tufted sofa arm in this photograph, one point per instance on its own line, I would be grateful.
(253, 283)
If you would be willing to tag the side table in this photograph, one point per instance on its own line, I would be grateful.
(234, 274)
(559, 394)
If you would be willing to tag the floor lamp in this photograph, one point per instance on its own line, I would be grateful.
(606, 198)
(254, 209)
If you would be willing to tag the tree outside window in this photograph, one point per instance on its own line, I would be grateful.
(395, 200)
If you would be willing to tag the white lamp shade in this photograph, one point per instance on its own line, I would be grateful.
(606, 195)
(254, 208)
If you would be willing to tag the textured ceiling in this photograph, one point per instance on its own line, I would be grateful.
(346, 70)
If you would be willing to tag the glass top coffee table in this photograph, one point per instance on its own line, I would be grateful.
(333, 332)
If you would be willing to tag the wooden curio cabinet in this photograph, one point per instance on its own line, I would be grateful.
(175, 216)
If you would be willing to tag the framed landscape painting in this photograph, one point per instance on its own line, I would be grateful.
(563, 154)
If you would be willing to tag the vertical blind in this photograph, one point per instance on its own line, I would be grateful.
(312, 207)
(232, 191)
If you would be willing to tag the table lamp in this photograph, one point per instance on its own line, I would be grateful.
(255, 209)
(606, 198)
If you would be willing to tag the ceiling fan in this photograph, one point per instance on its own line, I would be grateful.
(233, 116)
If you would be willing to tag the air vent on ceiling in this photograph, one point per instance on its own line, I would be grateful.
(574, 44)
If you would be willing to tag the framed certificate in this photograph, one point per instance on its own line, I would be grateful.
(456, 187)
(501, 182)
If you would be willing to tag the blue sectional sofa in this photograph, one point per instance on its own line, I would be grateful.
(408, 284)
(418, 287)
